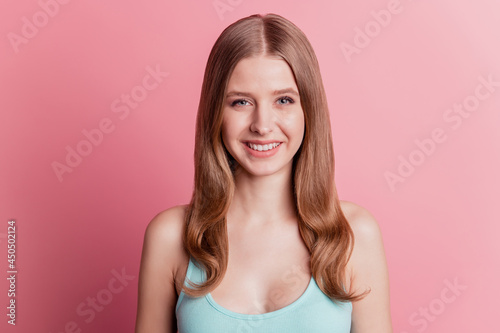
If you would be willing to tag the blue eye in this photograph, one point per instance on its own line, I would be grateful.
(285, 100)
(239, 102)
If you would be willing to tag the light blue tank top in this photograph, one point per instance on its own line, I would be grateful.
(312, 312)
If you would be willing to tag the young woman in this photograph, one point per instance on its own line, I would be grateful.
(265, 245)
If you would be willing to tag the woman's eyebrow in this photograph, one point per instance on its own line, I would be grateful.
(276, 92)
(237, 93)
(286, 91)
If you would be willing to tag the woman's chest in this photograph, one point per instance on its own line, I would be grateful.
(267, 270)
(290, 306)
(263, 281)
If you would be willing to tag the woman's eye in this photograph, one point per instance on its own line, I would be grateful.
(285, 100)
(239, 102)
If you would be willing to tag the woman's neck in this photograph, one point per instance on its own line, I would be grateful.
(262, 200)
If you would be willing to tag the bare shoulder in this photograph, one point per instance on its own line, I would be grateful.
(367, 267)
(164, 236)
(368, 243)
(363, 224)
(167, 224)
(162, 255)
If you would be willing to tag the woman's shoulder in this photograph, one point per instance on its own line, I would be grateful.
(361, 220)
(163, 235)
(367, 270)
(162, 256)
(367, 264)
(168, 220)
(368, 243)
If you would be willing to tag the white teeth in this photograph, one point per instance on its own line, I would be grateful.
(266, 147)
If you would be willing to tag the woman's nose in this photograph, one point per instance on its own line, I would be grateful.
(262, 120)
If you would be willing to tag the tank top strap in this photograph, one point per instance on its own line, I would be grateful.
(194, 274)
(197, 272)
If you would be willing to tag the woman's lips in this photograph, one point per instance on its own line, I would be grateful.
(259, 149)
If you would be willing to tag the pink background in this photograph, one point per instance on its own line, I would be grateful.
(73, 234)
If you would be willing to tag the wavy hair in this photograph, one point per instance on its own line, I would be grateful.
(323, 226)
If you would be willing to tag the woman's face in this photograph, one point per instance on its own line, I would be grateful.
(263, 121)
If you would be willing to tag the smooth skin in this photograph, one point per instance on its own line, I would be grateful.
(265, 245)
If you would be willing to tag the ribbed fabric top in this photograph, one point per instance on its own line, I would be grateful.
(312, 312)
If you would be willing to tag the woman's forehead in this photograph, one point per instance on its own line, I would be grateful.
(261, 73)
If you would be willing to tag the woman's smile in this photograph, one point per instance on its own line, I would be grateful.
(263, 151)
(261, 146)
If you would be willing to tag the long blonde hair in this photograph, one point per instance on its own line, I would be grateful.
(322, 225)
